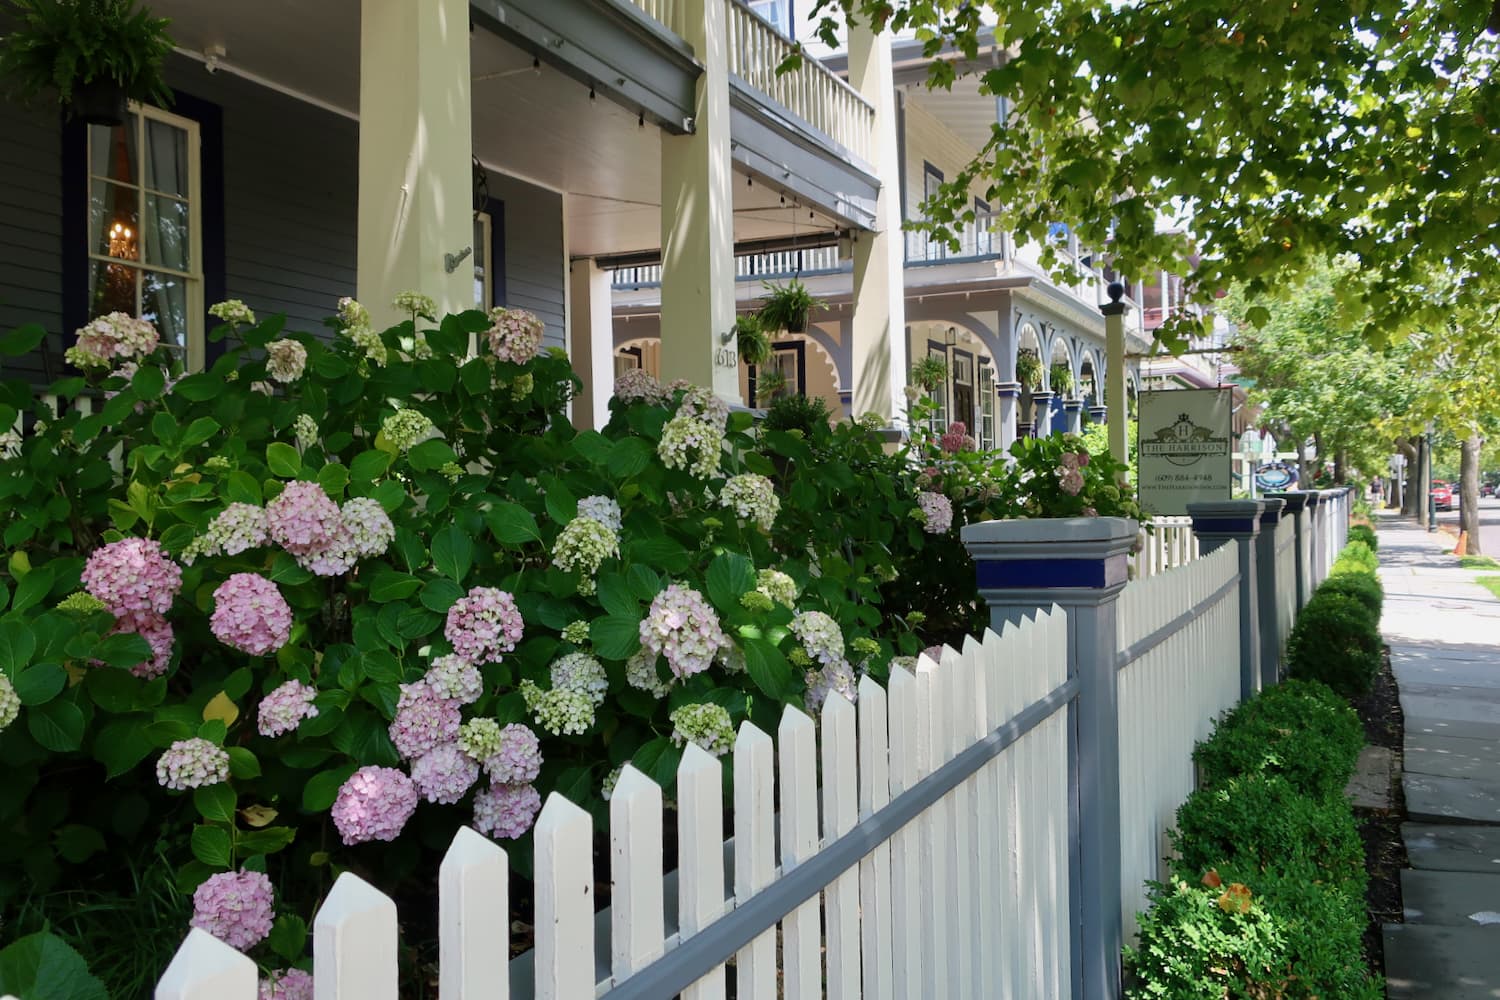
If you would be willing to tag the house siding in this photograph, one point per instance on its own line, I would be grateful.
(928, 140)
(31, 236)
(535, 269)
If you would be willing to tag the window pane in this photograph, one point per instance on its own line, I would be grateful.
(164, 302)
(111, 288)
(114, 221)
(112, 151)
(166, 158)
(168, 233)
(481, 259)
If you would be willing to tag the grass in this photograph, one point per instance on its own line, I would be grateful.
(1490, 583)
(1478, 562)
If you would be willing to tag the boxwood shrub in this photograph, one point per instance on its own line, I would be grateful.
(1336, 640)
(1300, 730)
(1357, 556)
(1363, 587)
(1366, 534)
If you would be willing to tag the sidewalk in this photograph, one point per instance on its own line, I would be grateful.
(1444, 633)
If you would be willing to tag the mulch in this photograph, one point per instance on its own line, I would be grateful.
(1380, 830)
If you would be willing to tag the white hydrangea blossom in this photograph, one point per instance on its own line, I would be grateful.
(752, 497)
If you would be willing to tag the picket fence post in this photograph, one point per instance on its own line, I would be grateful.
(755, 852)
(637, 921)
(1081, 565)
(1238, 522)
(206, 968)
(355, 943)
(473, 900)
(564, 953)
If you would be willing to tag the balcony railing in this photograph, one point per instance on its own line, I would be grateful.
(747, 267)
(811, 92)
(976, 241)
(666, 12)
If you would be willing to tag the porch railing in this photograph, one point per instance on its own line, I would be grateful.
(747, 267)
(812, 92)
(977, 240)
(1170, 543)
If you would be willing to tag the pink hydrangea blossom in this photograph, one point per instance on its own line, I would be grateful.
(1068, 460)
(283, 709)
(132, 575)
(483, 625)
(368, 525)
(303, 520)
(515, 335)
(157, 632)
(374, 804)
(192, 763)
(639, 386)
(287, 984)
(937, 512)
(235, 907)
(115, 337)
(956, 437)
(684, 628)
(519, 758)
(506, 810)
(424, 720)
(251, 615)
(455, 678)
(285, 360)
(444, 774)
(1083, 459)
(1071, 482)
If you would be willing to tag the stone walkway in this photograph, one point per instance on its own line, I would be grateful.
(1444, 634)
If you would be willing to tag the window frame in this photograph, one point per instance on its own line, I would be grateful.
(194, 354)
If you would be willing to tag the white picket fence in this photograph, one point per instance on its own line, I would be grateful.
(1170, 543)
(1179, 670)
(941, 867)
(1286, 571)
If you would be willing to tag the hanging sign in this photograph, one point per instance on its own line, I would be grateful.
(1184, 448)
(1275, 476)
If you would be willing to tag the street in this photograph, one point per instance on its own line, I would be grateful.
(1489, 524)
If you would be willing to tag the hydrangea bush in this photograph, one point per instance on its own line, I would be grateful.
(319, 605)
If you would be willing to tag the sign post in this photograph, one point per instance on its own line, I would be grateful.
(1185, 443)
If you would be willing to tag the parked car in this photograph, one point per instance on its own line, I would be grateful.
(1487, 489)
(1442, 495)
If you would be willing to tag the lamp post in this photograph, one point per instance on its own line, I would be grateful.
(1114, 389)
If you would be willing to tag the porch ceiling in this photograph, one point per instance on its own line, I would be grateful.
(533, 123)
(963, 109)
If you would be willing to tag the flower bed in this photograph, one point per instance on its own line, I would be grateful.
(318, 606)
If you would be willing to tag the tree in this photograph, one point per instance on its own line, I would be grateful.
(1282, 132)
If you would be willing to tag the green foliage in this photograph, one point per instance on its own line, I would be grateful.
(1060, 377)
(929, 372)
(753, 344)
(1478, 562)
(1028, 368)
(1336, 640)
(1301, 731)
(1357, 557)
(62, 44)
(1365, 534)
(42, 966)
(1358, 584)
(793, 412)
(786, 307)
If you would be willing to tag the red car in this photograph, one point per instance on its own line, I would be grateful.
(1442, 495)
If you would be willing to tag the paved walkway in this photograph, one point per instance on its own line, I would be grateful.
(1444, 634)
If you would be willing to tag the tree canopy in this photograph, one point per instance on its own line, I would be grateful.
(1281, 133)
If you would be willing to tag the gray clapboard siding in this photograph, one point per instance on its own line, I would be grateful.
(31, 233)
(534, 265)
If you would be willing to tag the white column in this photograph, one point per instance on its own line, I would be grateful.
(1008, 393)
(416, 201)
(591, 342)
(697, 221)
(879, 340)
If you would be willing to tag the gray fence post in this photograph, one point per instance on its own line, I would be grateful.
(1081, 565)
(1296, 509)
(1237, 521)
(1267, 584)
(1315, 510)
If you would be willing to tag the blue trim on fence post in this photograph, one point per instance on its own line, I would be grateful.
(1238, 522)
(1081, 565)
(1268, 584)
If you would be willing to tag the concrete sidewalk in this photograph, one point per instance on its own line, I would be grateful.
(1444, 633)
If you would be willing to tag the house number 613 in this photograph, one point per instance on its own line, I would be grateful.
(727, 357)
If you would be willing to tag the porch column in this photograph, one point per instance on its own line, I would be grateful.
(1080, 564)
(1074, 409)
(1008, 392)
(1099, 414)
(879, 341)
(1238, 521)
(1041, 412)
(697, 221)
(416, 201)
(591, 342)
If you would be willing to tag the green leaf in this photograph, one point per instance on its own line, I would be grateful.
(32, 590)
(768, 668)
(562, 505)
(616, 637)
(242, 763)
(212, 846)
(148, 381)
(122, 745)
(439, 595)
(615, 595)
(17, 642)
(369, 466)
(123, 649)
(198, 388)
(452, 552)
(644, 583)
(215, 802)
(22, 340)
(288, 938)
(729, 576)
(164, 426)
(322, 788)
(237, 684)
(42, 966)
(430, 455)
(333, 477)
(513, 524)
(57, 725)
(199, 431)
(115, 691)
(77, 843)
(283, 460)
(593, 447)
(268, 840)
(41, 683)
(392, 586)
(630, 456)
(241, 487)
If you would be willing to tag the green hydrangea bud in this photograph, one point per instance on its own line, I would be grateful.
(799, 658)
(863, 647)
(576, 632)
(916, 618)
(754, 600)
(81, 603)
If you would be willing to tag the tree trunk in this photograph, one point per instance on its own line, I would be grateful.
(1340, 458)
(1414, 505)
(1408, 483)
(1468, 491)
(1318, 452)
(1304, 480)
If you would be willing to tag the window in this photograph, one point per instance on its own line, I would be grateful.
(777, 13)
(145, 241)
(984, 240)
(484, 285)
(986, 404)
(627, 359)
(928, 247)
(963, 389)
(787, 363)
(939, 421)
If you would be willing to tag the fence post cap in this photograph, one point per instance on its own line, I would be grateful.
(1275, 508)
(1295, 500)
(1227, 518)
(1068, 537)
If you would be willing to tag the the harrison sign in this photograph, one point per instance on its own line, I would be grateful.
(1184, 448)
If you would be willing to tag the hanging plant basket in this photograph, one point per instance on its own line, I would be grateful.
(1028, 369)
(99, 102)
(787, 307)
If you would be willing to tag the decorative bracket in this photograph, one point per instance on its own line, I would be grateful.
(451, 261)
